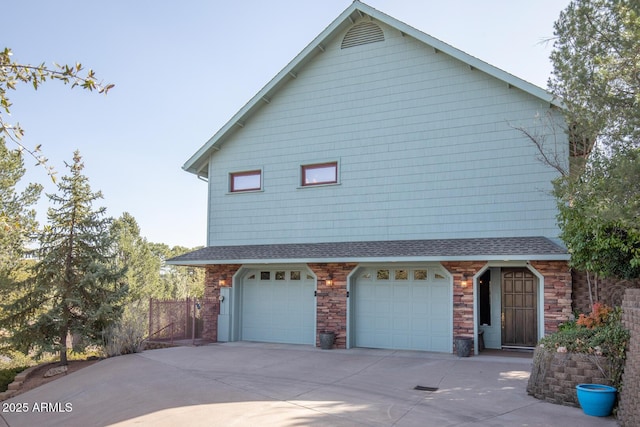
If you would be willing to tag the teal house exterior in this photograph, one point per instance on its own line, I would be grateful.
(379, 188)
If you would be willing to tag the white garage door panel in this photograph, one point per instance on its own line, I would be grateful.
(281, 311)
(403, 314)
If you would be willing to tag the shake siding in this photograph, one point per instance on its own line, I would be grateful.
(425, 146)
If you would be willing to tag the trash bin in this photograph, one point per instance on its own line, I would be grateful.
(464, 346)
(326, 340)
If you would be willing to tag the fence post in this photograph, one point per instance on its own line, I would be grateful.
(193, 323)
(186, 319)
(150, 316)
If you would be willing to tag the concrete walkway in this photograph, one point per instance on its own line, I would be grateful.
(250, 384)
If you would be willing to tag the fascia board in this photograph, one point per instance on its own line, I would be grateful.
(462, 56)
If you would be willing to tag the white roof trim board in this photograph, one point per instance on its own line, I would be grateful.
(197, 163)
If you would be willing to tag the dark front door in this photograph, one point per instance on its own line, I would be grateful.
(519, 308)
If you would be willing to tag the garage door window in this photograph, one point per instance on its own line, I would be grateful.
(420, 275)
(401, 275)
(383, 275)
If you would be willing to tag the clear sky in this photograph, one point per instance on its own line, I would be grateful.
(183, 68)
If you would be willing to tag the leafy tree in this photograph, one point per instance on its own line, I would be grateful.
(596, 69)
(599, 215)
(74, 289)
(12, 73)
(134, 253)
(17, 217)
(596, 64)
(179, 281)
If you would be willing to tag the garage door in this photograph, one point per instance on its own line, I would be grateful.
(278, 306)
(403, 309)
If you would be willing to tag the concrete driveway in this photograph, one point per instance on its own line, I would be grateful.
(250, 384)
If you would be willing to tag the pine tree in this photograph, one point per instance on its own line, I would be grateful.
(596, 73)
(133, 252)
(75, 289)
(17, 218)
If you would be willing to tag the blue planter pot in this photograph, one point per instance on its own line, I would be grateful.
(596, 400)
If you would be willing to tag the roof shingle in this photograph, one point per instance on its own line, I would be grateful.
(502, 248)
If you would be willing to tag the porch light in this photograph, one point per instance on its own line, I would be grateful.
(329, 280)
(464, 282)
(222, 282)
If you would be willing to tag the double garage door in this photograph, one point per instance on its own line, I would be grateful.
(391, 308)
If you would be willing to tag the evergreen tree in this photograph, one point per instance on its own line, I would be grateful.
(596, 69)
(17, 218)
(178, 281)
(133, 252)
(596, 64)
(75, 289)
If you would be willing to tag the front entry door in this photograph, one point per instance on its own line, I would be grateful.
(519, 308)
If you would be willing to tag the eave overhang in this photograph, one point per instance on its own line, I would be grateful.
(398, 251)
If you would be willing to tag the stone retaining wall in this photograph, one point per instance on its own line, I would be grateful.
(554, 376)
(629, 405)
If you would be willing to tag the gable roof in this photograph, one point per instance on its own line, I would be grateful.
(198, 162)
(490, 249)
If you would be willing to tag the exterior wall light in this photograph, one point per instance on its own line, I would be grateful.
(222, 282)
(329, 280)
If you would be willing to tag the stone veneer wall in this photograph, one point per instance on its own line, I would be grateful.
(463, 273)
(214, 276)
(554, 376)
(557, 293)
(629, 403)
(332, 300)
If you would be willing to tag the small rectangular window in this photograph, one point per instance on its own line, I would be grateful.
(383, 275)
(402, 275)
(323, 173)
(246, 181)
(420, 275)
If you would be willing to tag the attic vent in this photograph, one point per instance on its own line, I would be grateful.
(363, 33)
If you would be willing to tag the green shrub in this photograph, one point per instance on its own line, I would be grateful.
(15, 359)
(608, 338)
(8, 375)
